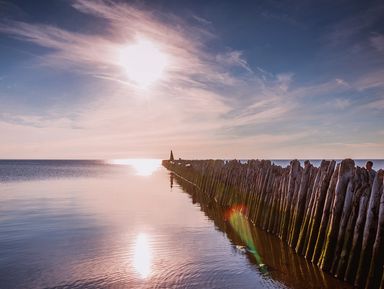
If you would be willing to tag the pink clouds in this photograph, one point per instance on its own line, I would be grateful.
(196, 109)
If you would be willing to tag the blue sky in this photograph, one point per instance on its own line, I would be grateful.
(244, 79)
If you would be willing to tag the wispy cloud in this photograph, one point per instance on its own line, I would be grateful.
(342, 103)
(354, 27)
(342, 82)
(374, 79)
(206, 98)
(191, 69)
(377, 104)
(377, 41)
(234, 58)
(202, 20)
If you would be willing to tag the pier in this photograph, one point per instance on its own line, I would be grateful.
(332, 215)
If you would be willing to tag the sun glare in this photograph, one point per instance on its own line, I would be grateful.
(143, 62)
(142, 167)
(142, 256)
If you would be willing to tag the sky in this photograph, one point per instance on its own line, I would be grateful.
(90, 79)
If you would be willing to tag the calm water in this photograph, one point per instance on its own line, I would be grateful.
(92, 224)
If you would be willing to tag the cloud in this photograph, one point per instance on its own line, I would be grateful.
(353, 27)
(377, 104)
(342, 81)
(377, 42)
(284, 80)
(200, 108)
(338, 103)
(37, 121)
(191, 69)
(202, 20)
(100, 54)
(327, 87)
(234, 58)
(373, 79)
(342, 103)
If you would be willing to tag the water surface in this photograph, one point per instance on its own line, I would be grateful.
(95, 224)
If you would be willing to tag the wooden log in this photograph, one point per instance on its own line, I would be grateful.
(377, 260)
(345, 174)
(262, 197)
(273, 211)
(304, 232)
(258, 191)
(354, 253)
(283, 203)
(252, 195)
(312, 195)
(369, 229)
(298, 212)
(325, 216)
(293, 174)
(344, 255)
(269, 217)
(293, 205)
(331, 217)
(276, 225)
(268, 201)
(346, 211)
(326, 171)
(275, 214)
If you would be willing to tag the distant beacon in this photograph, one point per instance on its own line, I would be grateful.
(171, 158)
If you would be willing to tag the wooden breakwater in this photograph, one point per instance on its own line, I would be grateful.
(332, 215)
(283, 264)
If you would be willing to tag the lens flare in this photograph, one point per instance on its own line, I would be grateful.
(235, 216)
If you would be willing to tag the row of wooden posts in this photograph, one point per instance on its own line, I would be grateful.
(283, 265)
(332, 215)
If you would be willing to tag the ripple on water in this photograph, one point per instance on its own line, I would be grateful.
(59, 231)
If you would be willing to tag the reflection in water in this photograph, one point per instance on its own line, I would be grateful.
(241, 226)
(142, 256)
(280, 260)
(171, 179)
(143, 167)
(76, 224)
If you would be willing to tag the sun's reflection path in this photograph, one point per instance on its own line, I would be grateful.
(142, 167)
(142, 256)
(241, 226)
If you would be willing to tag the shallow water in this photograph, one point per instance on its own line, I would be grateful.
(94, 224)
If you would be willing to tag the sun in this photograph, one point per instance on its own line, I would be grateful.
(143, 62)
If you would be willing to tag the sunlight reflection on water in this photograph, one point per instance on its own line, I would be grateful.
(92, 224)
(142, 256)
(142, 167)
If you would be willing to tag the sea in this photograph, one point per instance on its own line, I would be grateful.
(128, 224)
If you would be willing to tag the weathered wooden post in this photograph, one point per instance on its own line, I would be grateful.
(293, 175)
(346, 211)
(298, 212)
(303, 239)
(332, 216)
(326, 171)
(354, 252)
(377, 260)
(325, 216)
(345, 174)
(369, 229)
(346, 246)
